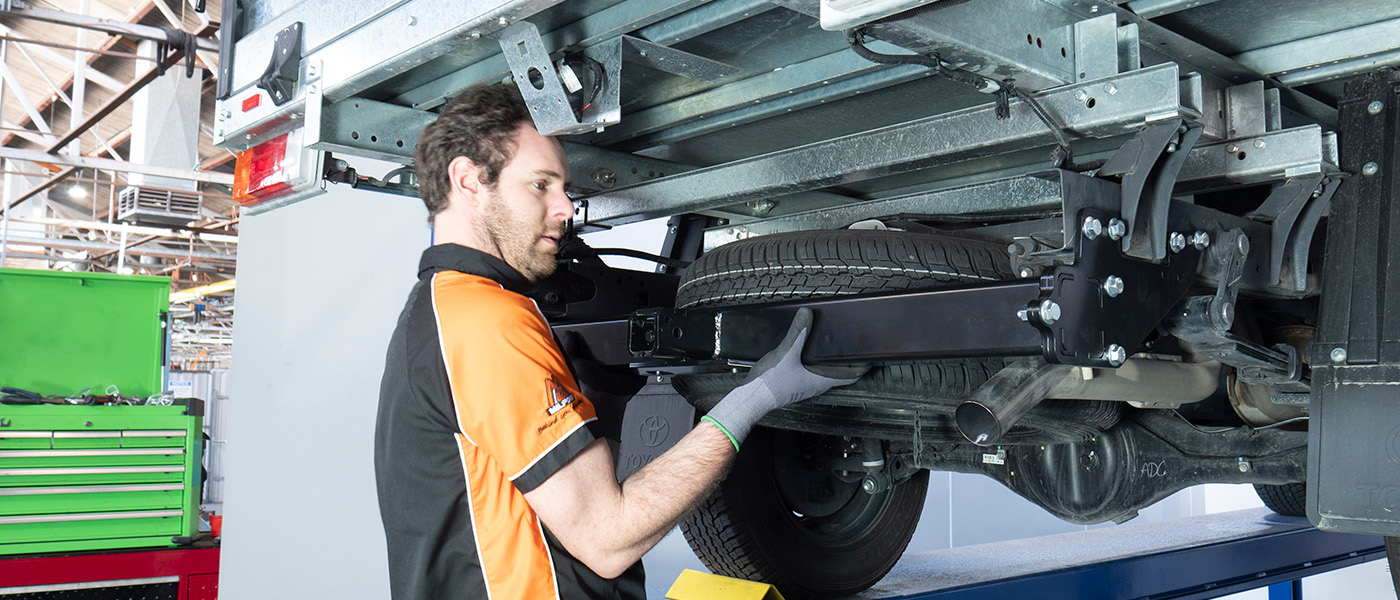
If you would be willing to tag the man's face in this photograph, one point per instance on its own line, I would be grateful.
(524, 214)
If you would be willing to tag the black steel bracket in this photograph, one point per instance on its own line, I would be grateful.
(1147, 166)
(592, 291)
(1100, 309)
(908, 326)
(1294, 208)
(279, 80)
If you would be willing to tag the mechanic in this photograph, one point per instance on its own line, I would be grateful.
(492, 480)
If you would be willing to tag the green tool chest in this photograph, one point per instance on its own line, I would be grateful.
(62, 332)
(98, 477)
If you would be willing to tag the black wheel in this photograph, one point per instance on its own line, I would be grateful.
(1289, 499)
(784, 516)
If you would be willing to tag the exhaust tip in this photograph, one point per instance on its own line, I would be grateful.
(977, 423)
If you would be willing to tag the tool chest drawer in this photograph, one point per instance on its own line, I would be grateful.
(98, 477)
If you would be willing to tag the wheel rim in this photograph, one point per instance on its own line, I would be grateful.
(827, 509)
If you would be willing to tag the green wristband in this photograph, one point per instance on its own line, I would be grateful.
(721, 428)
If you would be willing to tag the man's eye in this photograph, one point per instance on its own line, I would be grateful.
(541, 185)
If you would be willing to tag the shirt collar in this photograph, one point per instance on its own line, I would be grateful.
(455, 257)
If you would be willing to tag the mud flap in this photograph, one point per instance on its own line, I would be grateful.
(1354, 449)
(656, 418)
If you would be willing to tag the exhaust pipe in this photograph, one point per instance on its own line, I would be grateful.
(996, 406)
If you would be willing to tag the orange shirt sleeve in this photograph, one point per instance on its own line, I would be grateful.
(514, 394)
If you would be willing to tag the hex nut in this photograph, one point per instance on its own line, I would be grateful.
(1049, 311)
(1092, 227)
(1116, 355)
(1117, 228)
(1113, 286)
(1201, 240)
(1177, 242)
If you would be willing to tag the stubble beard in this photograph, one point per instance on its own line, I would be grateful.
(518, 243)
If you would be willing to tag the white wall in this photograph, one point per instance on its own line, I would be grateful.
(320, 286)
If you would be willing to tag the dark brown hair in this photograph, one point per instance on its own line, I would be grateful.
(480, 125)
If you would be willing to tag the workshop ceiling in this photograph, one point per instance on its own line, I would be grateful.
(74, 228)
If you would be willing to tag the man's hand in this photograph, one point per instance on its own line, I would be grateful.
(777, 380)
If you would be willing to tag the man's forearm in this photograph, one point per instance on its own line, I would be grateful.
(661, 494)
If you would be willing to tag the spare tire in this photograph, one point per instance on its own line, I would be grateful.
(818, 264)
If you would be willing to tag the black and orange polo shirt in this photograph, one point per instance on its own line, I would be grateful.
(477, 407)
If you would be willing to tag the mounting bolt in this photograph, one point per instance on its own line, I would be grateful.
(1201, 240)
(1259, 143)
(1024, 314)
(1116, 355)
(1244, 465)
(1092, 227)
(1227, 314)
(1113, 286)
(1081, 95)
(868, 485)
(1339, 355)
(1049, 311)
(1232, 148)
(225, 114)
(762, 207)
(604, 177)
(1117, 228)
(1375, 107)
(1110, 88)
(1370, 169)
(311, 70)
(1177, 242)
(1027, 272)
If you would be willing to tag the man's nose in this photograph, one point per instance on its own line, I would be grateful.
(560, 206)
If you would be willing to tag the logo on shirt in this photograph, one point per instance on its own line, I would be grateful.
(557, 396)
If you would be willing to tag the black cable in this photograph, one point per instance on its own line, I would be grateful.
(1061, 156)
(670, 263)
(174, 38)
(855, 38)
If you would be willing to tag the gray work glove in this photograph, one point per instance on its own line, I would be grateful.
(777, 380)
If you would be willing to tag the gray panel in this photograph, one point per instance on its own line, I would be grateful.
(318, 299)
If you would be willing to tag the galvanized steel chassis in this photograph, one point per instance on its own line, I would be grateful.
(1207, 175)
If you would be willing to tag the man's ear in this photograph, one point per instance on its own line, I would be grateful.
(465, 176)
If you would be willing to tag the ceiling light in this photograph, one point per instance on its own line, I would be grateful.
(77, 191)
